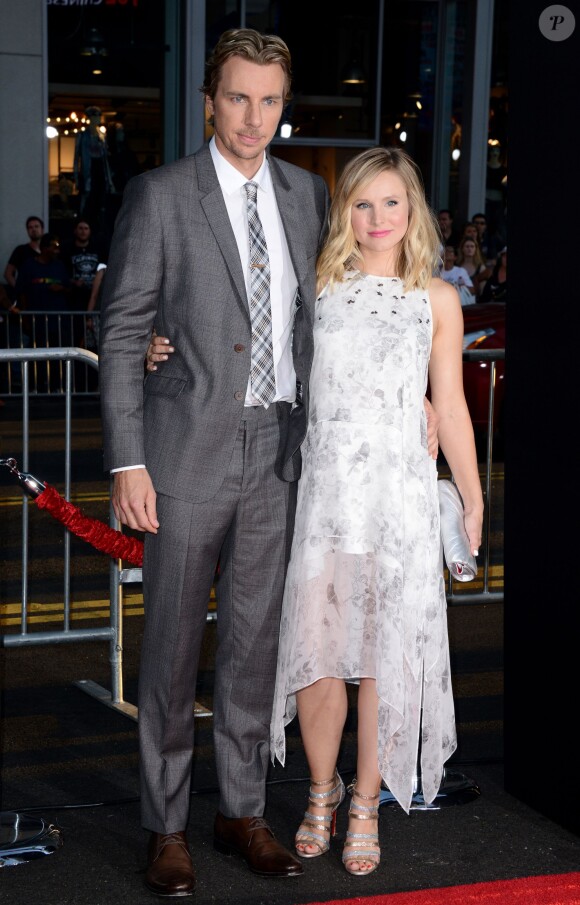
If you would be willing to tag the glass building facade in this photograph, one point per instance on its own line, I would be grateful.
(427, 75)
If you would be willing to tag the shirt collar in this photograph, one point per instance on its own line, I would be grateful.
(231, 180)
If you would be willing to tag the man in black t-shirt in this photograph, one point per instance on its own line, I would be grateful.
(43, 283)
(43, 287)
(81, 258)
(35, 229)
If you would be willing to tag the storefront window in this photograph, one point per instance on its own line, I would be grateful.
(391, 72)
(497, 171)
(105, 71)
(335, 59)
(409, 76)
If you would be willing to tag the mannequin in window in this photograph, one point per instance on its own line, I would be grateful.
(92, 174)
(123, 161)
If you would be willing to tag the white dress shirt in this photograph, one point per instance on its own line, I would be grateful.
(283, 282)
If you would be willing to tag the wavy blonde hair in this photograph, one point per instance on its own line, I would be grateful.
(419, 253)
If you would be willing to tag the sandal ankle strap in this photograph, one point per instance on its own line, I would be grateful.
(318, 798)
(365, 797)
(322, 782)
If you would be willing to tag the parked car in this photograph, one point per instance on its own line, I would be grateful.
(484, 329)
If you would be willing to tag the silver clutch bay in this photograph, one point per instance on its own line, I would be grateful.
(460, 560)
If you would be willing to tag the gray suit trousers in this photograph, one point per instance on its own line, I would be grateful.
(248, 524)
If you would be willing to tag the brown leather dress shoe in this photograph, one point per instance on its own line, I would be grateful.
(254, 841)
(169, 867)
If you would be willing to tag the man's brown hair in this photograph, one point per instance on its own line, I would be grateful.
(249, 45)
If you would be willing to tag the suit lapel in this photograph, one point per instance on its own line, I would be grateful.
(213, 205)
(289, 212)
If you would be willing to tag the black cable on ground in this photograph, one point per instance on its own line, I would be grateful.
(209, 790)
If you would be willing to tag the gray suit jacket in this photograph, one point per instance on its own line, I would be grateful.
(174, 263)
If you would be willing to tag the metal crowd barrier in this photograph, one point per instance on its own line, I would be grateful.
(28, 362)
(62, 360)
(64, 363)
(41, 330)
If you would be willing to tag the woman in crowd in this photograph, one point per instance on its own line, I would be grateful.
(470, 258)
(495, 289)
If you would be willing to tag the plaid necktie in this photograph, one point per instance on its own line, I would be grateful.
(263, 380)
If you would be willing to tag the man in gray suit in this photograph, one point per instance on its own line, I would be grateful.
(206, 451)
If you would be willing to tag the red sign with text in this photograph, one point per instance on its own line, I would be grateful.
(92, 2)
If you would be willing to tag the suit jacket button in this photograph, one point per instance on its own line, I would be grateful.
(239, 395)
(238, 347)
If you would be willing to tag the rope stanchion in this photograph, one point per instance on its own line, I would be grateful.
(100, 536)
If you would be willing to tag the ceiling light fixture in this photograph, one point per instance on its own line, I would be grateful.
(353, 74)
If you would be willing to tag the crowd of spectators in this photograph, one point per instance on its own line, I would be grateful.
(473, 259)
(49, 288)
(46, 275)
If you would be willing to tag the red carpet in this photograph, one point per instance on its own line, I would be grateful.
(555, 889)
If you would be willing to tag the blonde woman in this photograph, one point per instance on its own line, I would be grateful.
(470, 258)
(364, 597)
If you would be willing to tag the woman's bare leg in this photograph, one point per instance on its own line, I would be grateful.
(322, 709)
(368, 777)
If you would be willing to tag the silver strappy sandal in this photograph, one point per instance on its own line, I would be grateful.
(313, 829)
(362, 846)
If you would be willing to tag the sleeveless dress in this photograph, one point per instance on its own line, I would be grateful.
(365, 593)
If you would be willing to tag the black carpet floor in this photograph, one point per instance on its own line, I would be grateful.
(71, 761)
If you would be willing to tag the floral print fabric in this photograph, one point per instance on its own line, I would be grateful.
(365, 594)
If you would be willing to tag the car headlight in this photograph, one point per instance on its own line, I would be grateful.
(472, 340)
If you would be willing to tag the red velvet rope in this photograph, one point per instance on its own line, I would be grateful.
(99, 535)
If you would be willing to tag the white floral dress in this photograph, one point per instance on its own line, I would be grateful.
(365, 595)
